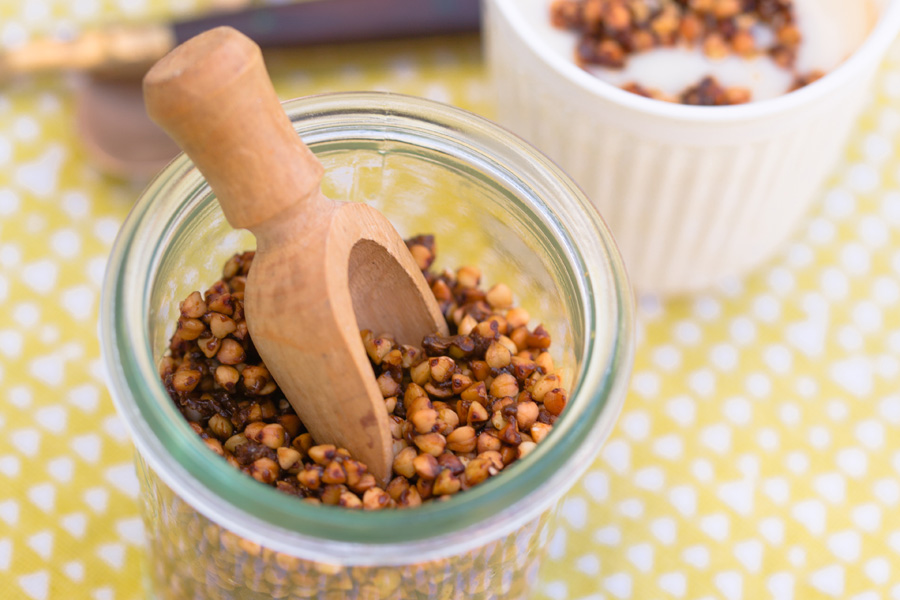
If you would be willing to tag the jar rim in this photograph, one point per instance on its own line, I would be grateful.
(279, 521)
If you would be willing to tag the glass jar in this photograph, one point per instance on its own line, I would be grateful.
(490, 200)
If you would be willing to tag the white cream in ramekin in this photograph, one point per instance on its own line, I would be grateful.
(692, 194)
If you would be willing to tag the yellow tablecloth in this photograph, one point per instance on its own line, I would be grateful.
(758, 454)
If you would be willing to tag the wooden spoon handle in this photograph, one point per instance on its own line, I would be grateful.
(213, 96)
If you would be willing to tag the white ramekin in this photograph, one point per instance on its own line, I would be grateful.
(692, 194)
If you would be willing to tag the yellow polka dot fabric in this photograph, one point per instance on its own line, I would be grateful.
(757, 456)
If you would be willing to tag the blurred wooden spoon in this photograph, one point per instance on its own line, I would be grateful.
(115, 130)
(110, 111)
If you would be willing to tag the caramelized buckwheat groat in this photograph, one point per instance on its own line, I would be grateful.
(462, 408)
(609, 31)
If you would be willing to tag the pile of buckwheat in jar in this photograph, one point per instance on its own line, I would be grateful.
(462, 408)
(612, 30)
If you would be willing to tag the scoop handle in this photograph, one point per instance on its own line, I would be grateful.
(214, 97)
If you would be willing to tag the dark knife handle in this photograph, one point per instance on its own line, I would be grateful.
(333, 21)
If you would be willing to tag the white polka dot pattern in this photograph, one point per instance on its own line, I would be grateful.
(756, 456)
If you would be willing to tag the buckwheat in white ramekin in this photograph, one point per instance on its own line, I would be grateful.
(692, 194)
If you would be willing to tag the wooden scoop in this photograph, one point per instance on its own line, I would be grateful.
(323, 269)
